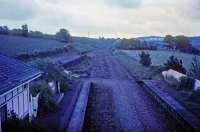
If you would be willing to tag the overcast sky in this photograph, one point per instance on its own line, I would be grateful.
(111, 18)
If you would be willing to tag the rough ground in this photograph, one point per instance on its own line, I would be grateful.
(118, 103)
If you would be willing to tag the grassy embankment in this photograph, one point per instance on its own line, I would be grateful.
(131, 60)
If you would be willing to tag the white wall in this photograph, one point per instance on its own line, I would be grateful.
(19, 104)
(26, 101)
(9, 107)
(15, 105)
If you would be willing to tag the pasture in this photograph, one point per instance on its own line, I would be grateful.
(138, 70)
(13, 45)
(161, 57)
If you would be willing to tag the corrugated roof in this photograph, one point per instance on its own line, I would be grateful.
(14, 73)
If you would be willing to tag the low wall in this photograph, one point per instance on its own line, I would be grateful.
(188, 121)
(77, 119)
(68, 110)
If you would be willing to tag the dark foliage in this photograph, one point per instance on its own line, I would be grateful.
(145, 59)
(64, 86)
(4, 30)
(37, 86)
(194, 96)
(195, 68)
(52, 71)
(46, 102)
(170, 42)
(186, 83)
(25, 30)
(44, 54)
(175, 64)
(14, 124)
(180, 43)
(63, 34)
(134, 44)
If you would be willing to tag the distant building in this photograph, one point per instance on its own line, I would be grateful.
(15, 77)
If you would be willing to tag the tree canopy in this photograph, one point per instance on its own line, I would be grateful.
(169, 39)
(181, 43)
(25, 30)
(63, 35)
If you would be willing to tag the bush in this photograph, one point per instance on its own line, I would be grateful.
(46, 103)
(195, 68)
(41, 54)
(52, 71)
(37, 86)
(175, 64)
(63, 86)
(186, 83)
(194, 96)
(14, 124)
(135, 44)
(145, 59)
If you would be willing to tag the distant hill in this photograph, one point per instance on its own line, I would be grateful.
(16, 45)
(87, 44)
(151, 38)
(160, 40)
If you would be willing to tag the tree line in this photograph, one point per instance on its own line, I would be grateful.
(180, 43)
(62, 35)
(136, 44)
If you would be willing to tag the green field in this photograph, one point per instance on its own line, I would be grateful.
(14, 45)
(130, 59)
(160, 57)
(84, 47)
(136, 68)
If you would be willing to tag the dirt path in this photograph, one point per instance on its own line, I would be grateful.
(117, 103)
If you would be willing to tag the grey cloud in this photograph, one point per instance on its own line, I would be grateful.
(18, 9)
(124, 3)
(198, 9)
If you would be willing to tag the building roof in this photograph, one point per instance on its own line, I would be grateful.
(13, 73)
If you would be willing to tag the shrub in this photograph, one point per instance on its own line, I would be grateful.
(41, 54)
(37, 86)
(195, 68)
(145, 59)
(14, 124)
(52, 71)
(175, 64)
(63, 86)
(135, 44)
(194, 96)
(46, 103)
(186, 83)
